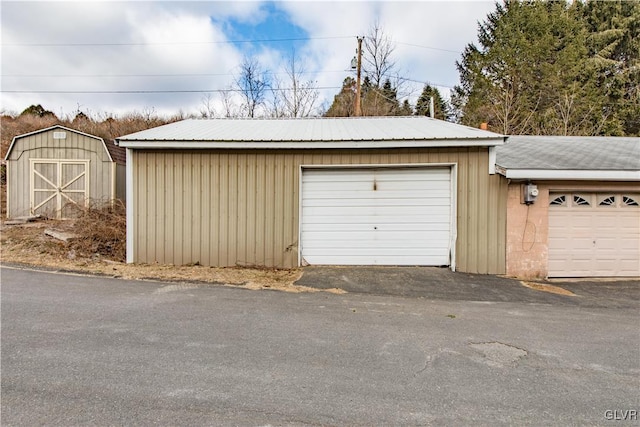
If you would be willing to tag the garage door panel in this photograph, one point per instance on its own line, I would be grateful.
(375, 220)
(376, 216)
(382, 201)
(391, 226)
(594, 240)
(388, 260)
(407, 211)
(390, 239)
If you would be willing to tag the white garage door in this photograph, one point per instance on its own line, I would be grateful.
(594, 235)
(385, 216)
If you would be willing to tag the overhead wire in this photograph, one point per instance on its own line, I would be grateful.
(179, 75)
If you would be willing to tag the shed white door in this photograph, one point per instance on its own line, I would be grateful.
(385, 216)
(594, 235)
(57, 186)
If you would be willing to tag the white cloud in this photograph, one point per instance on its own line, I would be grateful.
(144, 39)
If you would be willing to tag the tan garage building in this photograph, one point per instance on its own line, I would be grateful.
(338, 191)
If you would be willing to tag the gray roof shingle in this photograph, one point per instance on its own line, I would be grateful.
(570, 153)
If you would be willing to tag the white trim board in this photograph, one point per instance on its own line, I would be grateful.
(580, 175)
(269, 145)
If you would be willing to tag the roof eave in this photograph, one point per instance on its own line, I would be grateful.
(404, 143)
(570, 175)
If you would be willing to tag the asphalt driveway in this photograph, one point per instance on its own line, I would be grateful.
(435, 283)
(81, 350)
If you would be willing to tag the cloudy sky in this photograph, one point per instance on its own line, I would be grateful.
(116, 57)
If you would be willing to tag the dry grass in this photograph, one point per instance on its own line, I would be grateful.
(545, 287)
(101, 230)
(100, 250)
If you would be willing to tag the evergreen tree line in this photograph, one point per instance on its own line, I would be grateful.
(540, 68)
(554, 68)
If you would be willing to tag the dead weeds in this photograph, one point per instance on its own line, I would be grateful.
(99, 249)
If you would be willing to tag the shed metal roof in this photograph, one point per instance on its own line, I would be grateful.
(309, 133)
(570, 157)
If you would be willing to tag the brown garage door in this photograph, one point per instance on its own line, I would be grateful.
(594, 235)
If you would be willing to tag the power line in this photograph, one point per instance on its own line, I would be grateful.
(162, 75)
(292, 39)
(150, 91)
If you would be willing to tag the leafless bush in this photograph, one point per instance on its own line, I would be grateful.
(101, 229)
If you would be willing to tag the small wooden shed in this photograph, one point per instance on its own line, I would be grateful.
(51, 171)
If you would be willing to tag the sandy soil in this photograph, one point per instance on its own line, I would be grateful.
(28, 245)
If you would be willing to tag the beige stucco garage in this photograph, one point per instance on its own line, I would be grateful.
(585, 221)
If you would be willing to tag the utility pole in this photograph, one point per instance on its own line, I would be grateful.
(358, 109)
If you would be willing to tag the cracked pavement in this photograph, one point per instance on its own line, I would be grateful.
(82, 350)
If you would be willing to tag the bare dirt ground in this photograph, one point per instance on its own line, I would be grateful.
(28, 245)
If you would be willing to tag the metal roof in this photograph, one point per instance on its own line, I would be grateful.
(308, 133)
(570, 157)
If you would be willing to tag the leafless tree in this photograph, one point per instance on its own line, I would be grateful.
(294, 97)
(252, 84)
(230, 108)
(207, 109)
(378, 63)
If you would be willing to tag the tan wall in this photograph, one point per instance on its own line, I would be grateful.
(226, 208)
(528, 226)
(43, 146)
(527, 233)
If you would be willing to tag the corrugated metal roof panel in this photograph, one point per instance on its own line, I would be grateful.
(570, 153)
(306, 130)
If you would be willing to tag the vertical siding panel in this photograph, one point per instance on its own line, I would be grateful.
(214, 218)
(195, 195)
(205, 209)
(260, 206)
(290, 193)
(156, 200)
(150, 186)
(251, 235)
(242, 256)
(159, 191)
(269, 211)
(169, 208)
(462, 209)
(185, 239)
(472, 215)
(482, 189)
(280, 194)
(142, 211)
(178, 182)
(232, 217)
(223, 222)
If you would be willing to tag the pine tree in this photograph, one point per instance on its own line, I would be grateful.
(541, 67)
(344, 102)
(440, 105)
